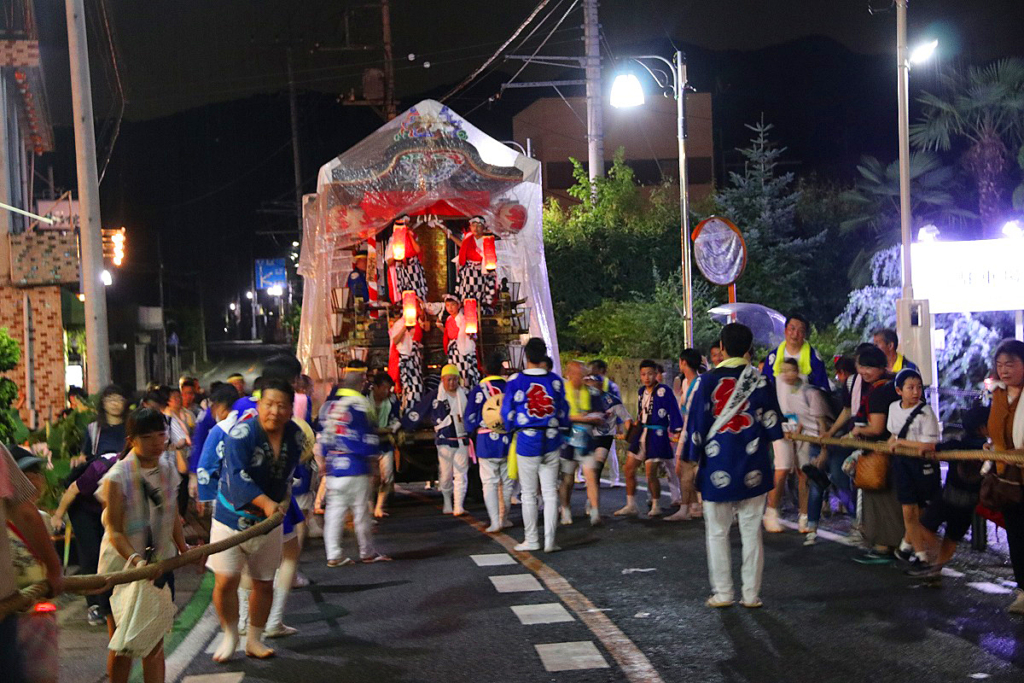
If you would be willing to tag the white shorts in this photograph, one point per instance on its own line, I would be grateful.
(260, 555)
(588, 462)
(791, 455)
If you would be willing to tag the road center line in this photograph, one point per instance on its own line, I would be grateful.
(631, 660)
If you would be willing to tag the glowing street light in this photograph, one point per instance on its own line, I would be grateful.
(922, 53)
(106, 278)
(626, 91)
(231, 306)
(248, 295)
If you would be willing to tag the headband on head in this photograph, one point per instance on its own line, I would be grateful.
(350, 368)
(478, 219)
(452, 297)
(449, 370)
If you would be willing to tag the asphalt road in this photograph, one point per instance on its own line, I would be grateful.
(631, 598)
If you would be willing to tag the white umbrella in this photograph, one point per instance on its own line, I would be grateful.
(767, 324)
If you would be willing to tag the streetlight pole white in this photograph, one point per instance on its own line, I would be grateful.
(903, 82)
(627, 92)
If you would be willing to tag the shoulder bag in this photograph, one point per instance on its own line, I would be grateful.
(872, 472)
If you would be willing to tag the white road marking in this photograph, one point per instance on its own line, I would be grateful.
(516, 583)
(571, 656)
(192, 645)
(493, 559)
(227, 677)
(952, 573)
(547, 613)
(637, 570)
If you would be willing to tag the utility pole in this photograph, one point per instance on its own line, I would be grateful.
(903, 84)
(390, 107)
(296, 163)
(595, 110)
(90, 236)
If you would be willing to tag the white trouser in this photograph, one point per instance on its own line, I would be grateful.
(717, 521)
(494, 471)
(539, 473)
(344, 494)
(452, 467)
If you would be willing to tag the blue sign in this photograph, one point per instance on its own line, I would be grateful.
(271, 272)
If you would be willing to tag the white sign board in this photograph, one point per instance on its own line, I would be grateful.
(967, 277)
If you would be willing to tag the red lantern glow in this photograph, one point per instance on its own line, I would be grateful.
(399, 242)
(409, 307)
(490, 255)
(469, 314)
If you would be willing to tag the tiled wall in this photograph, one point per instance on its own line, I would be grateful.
(47, 345)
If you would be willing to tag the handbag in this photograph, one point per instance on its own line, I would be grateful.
(1001, 492)
(872, 471)
(143, 615)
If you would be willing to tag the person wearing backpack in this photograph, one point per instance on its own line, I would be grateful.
(913, 424)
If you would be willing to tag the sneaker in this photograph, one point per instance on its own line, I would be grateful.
(718, 603)
(525, 547)
(872, 557)
(95, 616)
(802, 525)
(811, 538)
(280, 631)
(1017, 606)
(904, 555)
(771, 521)
(924, 571)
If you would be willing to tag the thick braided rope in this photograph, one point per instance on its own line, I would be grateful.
(98, 583)
(1011, 457)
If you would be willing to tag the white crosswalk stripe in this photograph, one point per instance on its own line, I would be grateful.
(571, 656)
(516, 583)
(547, 613)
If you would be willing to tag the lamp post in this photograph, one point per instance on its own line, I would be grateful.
(628, 92)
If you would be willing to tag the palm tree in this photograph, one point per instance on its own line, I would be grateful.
(983, 107)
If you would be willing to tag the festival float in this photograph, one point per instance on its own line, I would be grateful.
(387, 240)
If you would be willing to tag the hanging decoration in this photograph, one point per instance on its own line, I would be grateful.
(490, 253)
(400, 240)
(409, 307)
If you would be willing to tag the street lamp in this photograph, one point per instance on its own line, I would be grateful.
(628, 92)
(231, 306)
(106, 278)
(248, 295)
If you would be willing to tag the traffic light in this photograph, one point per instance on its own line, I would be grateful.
(114, 242)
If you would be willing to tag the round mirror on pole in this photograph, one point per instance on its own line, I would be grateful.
(720, 252)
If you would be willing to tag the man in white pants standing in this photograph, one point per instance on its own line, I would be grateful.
(350, 448)
(536, 411)
(733, 420)
(491, 444)
(449, 410)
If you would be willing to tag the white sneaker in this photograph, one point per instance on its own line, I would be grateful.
(628, 510)
(811, 538)
(566, 517)
(802, 525)
(771, 521)
(527, 547)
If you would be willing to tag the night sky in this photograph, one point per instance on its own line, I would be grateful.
(204, 146)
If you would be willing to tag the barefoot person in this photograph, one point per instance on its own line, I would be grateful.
(260, 456)
(733, 418)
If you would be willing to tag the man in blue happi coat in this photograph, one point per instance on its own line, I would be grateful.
(733, 420)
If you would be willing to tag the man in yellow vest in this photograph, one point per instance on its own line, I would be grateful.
(888, 341)
(585, 413)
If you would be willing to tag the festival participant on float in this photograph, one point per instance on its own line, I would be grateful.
(888, 341)
(586, 412)
(358, 288)
(349, 444)
(460, 347)
(491, 444)
(535, 410)
(405, 274)
(407, 356)
(812, 371)
(260, 456)
(474, 280)
(658, 418)
(733, 417)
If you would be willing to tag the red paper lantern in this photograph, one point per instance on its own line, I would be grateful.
(469, 314)
(512, 215)
(409, 307)
(399, 242)
(490, 255)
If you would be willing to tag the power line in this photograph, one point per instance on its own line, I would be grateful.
(542, 43)
(469, 79)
